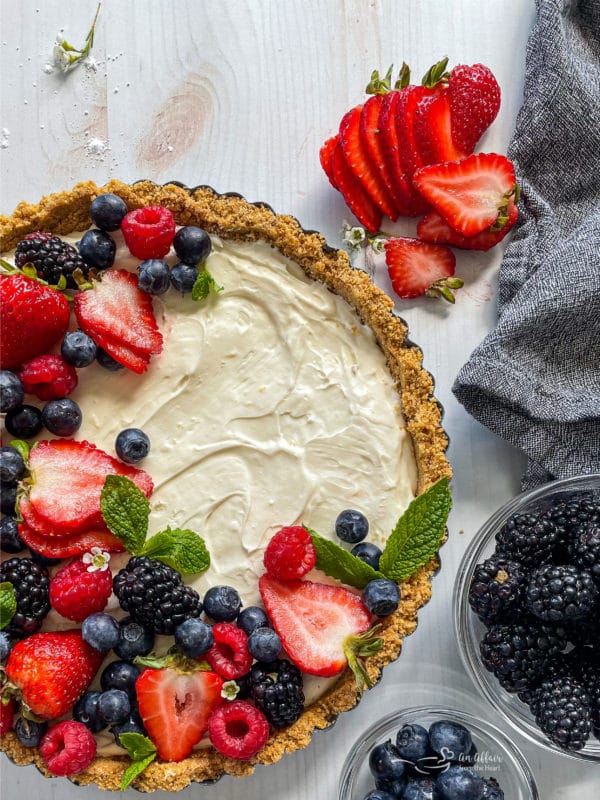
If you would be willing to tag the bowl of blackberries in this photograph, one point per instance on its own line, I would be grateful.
(435, 753)
(527, 614)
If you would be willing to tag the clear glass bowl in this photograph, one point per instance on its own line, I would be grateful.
(469, 629)
(497, 756)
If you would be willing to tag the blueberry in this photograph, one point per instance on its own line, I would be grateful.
(194, 637)
(458, 783)
(386, 763)
(24, 422)
(62, 417)
(134, 724)
(368, 552)
(394, 787)
(134, 640)
(120, 675)
(106, 361)
(114, 706)
(12, 465)
(10, 541)
(381, 596)
(12, 393)
(418, 789)
(183, 277)
(222, 603)
(100, 631)
(97, 249)
(28, 732)
(85, 710)
(492, 790)
(154, 276)
(6, 645)
(132, 445)
(43, 560)
(351, 526)
(251, 618)
(264, 644)
(379, 794)
(412, 742)
(8, 498)
(78, 349)
(192, 245)
(451, 740)
(107, 211)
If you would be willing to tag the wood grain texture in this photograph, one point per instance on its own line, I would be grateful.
(240, 94)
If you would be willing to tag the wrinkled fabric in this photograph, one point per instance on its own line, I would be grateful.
(535, 379)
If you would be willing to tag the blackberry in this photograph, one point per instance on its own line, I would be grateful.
(558, 593)
(277, 691)
(527, 538)
(561, 707)
(51, 257)
(497, 588)
(31, 585)
(154, 595)
(568, 516)
(585, 549)
(518, 654)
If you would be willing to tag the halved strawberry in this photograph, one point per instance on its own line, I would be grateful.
(419, 268)
(474, 97)
(434, 228)
(433, 130)
(358, 159)
(325, 156)
(66, 481)
(323, 628)
(117, 310)
(357, 198)
(175, 707)
(70, 546)
(471, 195)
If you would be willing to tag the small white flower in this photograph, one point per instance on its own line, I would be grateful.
(378, 244)
(230, 690)
(62, 58)
(354, 237)
(97, 559)
(66, 56)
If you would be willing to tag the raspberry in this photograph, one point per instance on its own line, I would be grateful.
(68, 748)
(48, 377)
(238, 730)
(80, 589)
(149, 231)
(290, 554)
(229, 655)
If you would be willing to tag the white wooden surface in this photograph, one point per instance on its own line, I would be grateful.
(239, 94)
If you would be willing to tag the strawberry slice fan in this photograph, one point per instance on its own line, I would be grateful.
(407, 151)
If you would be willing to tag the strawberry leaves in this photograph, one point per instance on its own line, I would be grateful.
(126, 510)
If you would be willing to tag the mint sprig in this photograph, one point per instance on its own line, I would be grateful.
(339, 563)
(141, 751)
(418, 533)
(8, 603)
(204, 285)
(126, 511)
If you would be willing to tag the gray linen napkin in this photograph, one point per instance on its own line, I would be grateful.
(535, 379)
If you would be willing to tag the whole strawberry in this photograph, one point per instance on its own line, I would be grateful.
(33, 317)
(82, 587)
(52, 670)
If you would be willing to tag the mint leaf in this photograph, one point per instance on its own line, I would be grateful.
(8, 603)
(141, 751)
(418, 533)
(183, 550)
(125, 510)
(204, 285)
(339, 563)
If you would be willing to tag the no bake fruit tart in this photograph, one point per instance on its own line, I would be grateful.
(224, 485)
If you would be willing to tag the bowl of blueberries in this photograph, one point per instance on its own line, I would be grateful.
(527, 614)
(435, 753)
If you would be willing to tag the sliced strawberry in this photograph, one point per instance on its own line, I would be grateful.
(360, 163)
(434, 228)
(474, 102)
(325, 156)
(406, 109)
(67, 479)
(176, 707)
(409, 202)
(127, 356)
(115, 308)
(41, 526)
(374, 140)
(433, 130)
(317, 623)
(418, 268)
(357, 199)
(472, 194)
(70, 546)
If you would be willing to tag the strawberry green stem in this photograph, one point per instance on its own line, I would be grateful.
(356, 649)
